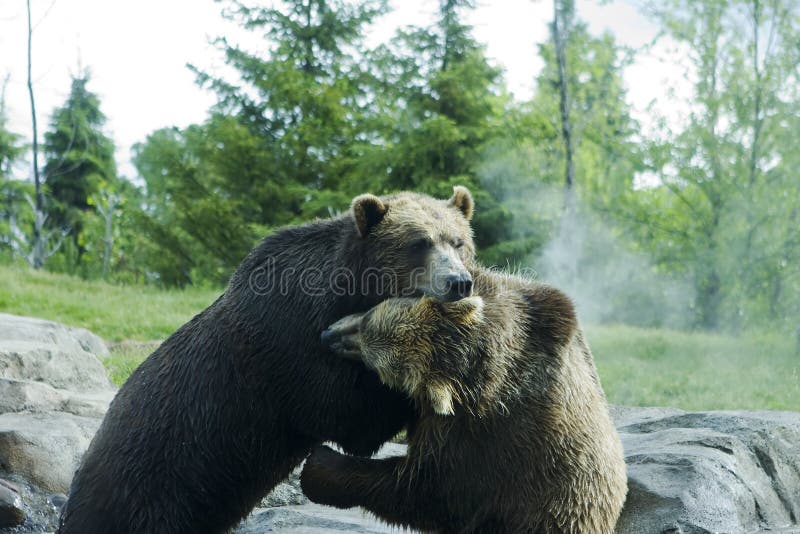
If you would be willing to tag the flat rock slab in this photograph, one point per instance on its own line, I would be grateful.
(35, 330)
(37, 397)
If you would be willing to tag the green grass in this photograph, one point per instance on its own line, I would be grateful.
(640, 367)
(112, 312)
(696, 371)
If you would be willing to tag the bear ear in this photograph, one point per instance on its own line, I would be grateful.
(462, 199)
(368, 211)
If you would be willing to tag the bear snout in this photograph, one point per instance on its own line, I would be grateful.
(459, 286)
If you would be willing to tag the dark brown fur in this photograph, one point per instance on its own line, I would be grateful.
(524, 443)
(231, 402)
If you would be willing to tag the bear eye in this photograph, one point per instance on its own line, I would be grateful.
(420, 245)
(458, 243)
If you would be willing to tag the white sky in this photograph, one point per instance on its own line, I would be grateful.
(137, 52)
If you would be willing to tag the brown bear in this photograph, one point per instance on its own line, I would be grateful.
(514, 433)
(237, 397)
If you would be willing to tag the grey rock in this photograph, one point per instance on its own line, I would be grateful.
(711, 471)
(45, 448)
(59, 356)
(11, 512)
(25, 395)
(310, 518)
(287, 493)
(29, 396)
(51, 333)
(53, 393)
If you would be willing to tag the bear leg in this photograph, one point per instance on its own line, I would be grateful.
(384, 487)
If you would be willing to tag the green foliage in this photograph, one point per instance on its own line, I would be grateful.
(14, 211)
(11, 193)
(277, 149)
(729, 202)
(203, 190)
(303, 100)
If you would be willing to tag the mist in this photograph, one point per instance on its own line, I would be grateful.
(609, 282)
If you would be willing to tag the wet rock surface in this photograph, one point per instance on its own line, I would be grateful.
(39, 508)
(11, 512)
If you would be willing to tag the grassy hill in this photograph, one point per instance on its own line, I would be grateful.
(637, 366)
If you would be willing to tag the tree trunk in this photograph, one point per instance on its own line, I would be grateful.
(107, 211)
(561, 28)
(708, 300)
(758, 96)
(38, 241)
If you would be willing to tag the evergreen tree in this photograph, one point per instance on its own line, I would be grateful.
(438, 97)
(79, 159)
(303, 102)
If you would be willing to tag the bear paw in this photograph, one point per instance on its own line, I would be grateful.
(344, 337)
(324, 477)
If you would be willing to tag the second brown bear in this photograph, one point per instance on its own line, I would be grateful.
(513, 434)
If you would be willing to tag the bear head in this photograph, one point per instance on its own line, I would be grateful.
(417, 245)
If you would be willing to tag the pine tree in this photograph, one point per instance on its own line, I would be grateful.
(437, 93)
(302, 100)
(79, 158)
